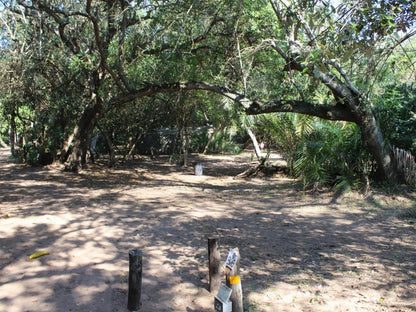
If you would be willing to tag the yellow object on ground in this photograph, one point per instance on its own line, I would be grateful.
(38, 254)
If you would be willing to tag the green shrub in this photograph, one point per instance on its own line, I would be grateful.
(224, 142)
(321, 153)
(332, 155)
(396, 108)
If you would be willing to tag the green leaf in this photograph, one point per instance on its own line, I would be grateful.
(38, 254)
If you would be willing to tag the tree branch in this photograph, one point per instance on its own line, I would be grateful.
(152, 89)
(189, 43)
(324, 111)
(100, 46)
(121, 41)
(343, 74)
(344, 91)
(251, 107)
(61, 21)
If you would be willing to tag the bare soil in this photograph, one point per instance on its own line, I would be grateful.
(299, 251)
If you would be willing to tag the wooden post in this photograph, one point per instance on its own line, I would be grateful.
(234, 282)
(214, 264)
(135, 279)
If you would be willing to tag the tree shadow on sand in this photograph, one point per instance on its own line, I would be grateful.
(298, 252)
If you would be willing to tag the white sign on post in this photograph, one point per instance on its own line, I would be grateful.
(232, 259)
(222, 301)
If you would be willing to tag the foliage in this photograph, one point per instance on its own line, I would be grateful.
(199, 139)
(319, 152)
(379, 18)
(396, 108)
(40, 91)
(225, 142)
(332, 154)
(284, 132)
(74, 69)
(409, 215)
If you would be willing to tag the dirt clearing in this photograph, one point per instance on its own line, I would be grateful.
(299, 252)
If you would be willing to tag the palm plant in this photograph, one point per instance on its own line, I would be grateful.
(318, 152)
(284, 132)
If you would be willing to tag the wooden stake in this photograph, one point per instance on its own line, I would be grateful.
(135, 279)
(214, 264)
(234, 282)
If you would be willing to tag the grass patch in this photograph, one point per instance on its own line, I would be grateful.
(409, 215)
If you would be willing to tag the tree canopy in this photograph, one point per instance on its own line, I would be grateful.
(73, 66)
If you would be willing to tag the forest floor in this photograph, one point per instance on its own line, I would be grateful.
(299, 251)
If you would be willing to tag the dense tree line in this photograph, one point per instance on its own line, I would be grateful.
(72, 67)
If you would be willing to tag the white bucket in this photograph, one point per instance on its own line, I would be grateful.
(198, 169)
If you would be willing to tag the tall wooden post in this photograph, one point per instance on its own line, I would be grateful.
(234, 282)
(135, 279)
(214, 264)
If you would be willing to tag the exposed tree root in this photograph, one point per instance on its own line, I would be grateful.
(251, 171)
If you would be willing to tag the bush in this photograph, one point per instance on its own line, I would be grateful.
(225, 142)
(36, 155)
(199, 139)
(396, 109)
(320, 152)
(333, 155)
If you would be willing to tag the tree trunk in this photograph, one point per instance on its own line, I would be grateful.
(255, 144)
(132, 145)
(376, 145)
(184, 134)
(12, 135)
(85, 144)
(74, 163)
(110, 147)
(211, 138)
(78, 137)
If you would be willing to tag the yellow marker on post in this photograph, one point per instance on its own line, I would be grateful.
(235, 280)
(232, 272)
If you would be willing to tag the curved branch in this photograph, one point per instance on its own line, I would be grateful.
(152, 89)
(251, 106)
(325, 111)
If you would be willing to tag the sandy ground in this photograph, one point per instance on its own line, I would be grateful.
(299, 252)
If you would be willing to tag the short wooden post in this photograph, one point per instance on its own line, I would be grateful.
(135, 279)
(214, 264)
(234, 282)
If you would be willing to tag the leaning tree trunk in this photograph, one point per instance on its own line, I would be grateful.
(132, 145)
(374, 142)
(255, 144)
(78, 137)
(211, 138)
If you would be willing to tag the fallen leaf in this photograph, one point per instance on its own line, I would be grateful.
(38, 254)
